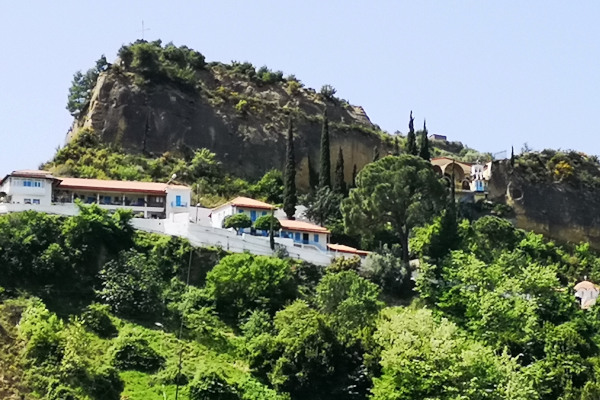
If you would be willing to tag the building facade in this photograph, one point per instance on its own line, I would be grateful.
(240, 205)
(305, 233)
(40, 188)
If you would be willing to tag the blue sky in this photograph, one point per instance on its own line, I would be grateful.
(490, 74)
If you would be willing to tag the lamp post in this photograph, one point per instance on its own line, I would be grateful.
(197, 206)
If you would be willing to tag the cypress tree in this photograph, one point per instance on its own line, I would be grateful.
(411, 139)
(375, 153)
(339, 183)
(354, 173)
(271, 233)
(289, 188)
(325, 171)
(512, 156)
(424, 148)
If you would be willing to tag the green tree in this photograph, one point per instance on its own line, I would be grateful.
(289, 192)
(132, 285)
(422, 358)
(237, 222)
(394, 193)
(82, 86)
(265, 223)
(386, 269)
(411, 139)
(325, 170)
(424, 152)
(354, 174)
(244, 282)
(339, 185)
(270, 187)
(324, 207)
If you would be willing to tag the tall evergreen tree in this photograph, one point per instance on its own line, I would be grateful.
(354, 173)
(411, 138)
(375, 153)
(424, 148)
(339, 185)
(289, 188)
(396, 146)
(325, 171)
(512, 156)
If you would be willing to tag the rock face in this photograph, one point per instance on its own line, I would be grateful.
(557, 210)
(243, 123)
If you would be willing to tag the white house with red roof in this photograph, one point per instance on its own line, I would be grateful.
(240, 205)
(305, 233)
(29, 189)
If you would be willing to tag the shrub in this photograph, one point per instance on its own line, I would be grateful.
(135, 353)
(212, 386)
(328, 92)
(42, 330)
(244, 282)
(264, 223)
(242, 107)
(96, 318)
(344, 264)
(132, 285)
(237, 222)
(106, 384)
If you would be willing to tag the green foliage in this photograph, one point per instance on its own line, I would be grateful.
(265, 222)
(386, 269)
(96, 318)
(569, 167)
(42, 330)
(324, 207)
(265, 76)
(289, 192)
(424, 152)
(243, 282)
(339, 185)
(131, 352)
(328, 92)
(423, 358)
(340, 264)
(325, 161)
(82, 86)
(411, 139)
(396, 194)
(242, 107)
(270, 187)
(132, 285)
(237, 222)
(211, 385)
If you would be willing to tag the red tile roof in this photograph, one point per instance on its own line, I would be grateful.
(293, 225)
(247, 202)
(347, 249)
(116, 186)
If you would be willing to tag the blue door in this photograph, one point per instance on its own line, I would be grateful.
(178, 201)
(253, 215)
(297, 238)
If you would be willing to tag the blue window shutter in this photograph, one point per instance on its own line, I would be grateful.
(298, 236)
(253, 215)
(264, 213)
(316, 238)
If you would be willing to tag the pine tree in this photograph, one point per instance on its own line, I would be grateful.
(375, 153)
(325, 171)
(271, 232)
(339, 185)
(411, 139)
(289, 188)
(424, 148)
(354, 173)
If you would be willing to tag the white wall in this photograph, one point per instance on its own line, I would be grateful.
(219, 214)
(18, 193)
(186, 198)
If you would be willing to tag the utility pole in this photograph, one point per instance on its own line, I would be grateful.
(144, 29)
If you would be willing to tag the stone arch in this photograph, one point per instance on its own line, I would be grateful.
(466, 185)
(438, 170)
(459, 173)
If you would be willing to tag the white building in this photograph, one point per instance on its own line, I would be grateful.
(240, 205)
(41, 190)
(305, 233)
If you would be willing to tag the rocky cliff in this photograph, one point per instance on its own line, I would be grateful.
(560, 210)
(243, 121)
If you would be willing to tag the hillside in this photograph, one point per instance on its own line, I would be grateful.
(155, 99)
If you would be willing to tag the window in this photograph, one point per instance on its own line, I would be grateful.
(316, 238)
(32, 183)
(27, 183)
(27, 201)
(264, 213)
(240, 211)
(253, 215)
(36, 201)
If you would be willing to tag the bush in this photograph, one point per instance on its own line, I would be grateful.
(212, 386)
(328, 92)
(237, 222)
(344, 264)
(96, 318)
(242, 107)
(41, 329)
(264, 223)
(135, 353)
(244, 282)
(132, 285)
(106, 384)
